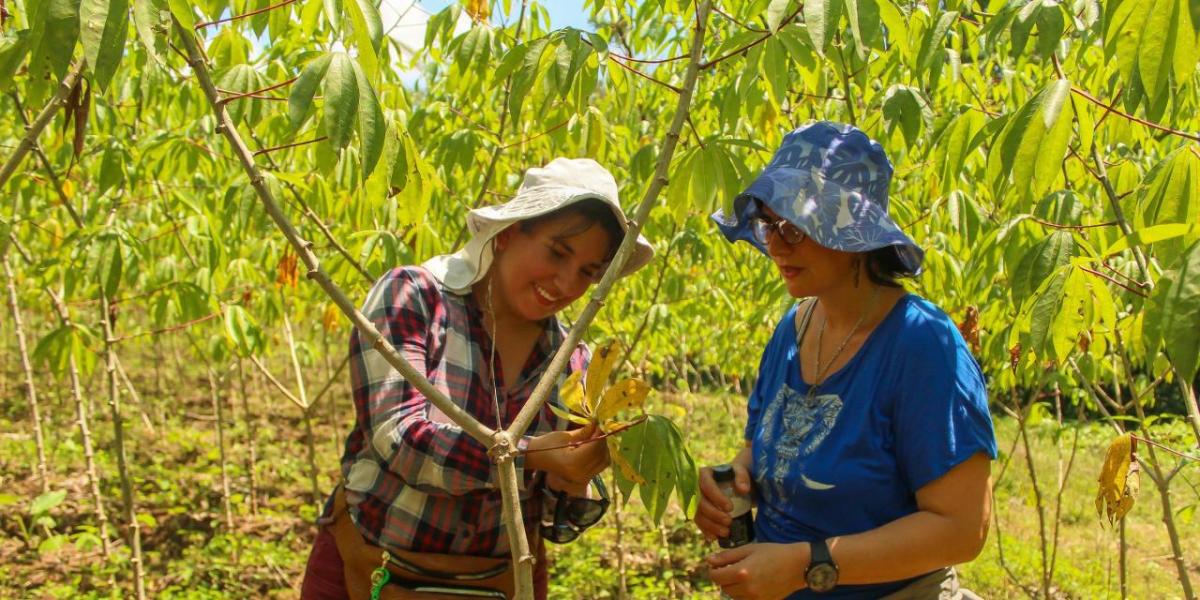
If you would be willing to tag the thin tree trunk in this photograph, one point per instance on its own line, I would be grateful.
(215, 395)
(30, 389)
(251, 438)
(1124, 562)
(89, 457)
(313, 472)
(305, 406)
(114, 406)
(1037, 493)
(618, 502)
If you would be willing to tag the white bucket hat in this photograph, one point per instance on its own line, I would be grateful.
(562, 182)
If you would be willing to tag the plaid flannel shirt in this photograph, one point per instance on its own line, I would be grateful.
(414, 479)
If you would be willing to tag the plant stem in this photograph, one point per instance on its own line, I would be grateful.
(27, 369)
(118, 423)
(214, 394)
(33, 130)
(251, 438)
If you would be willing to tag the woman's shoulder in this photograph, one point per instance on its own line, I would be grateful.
(402, 285)
(924, 329)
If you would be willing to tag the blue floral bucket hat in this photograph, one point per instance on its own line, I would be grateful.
(831, 181)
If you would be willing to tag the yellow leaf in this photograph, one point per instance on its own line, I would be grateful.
(572, 417)
(624, 395)
(598, 371)
(571, 394)
(1118, 481)
(614, 452)
(479, 10)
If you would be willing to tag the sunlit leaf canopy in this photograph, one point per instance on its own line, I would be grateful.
(1046, 158)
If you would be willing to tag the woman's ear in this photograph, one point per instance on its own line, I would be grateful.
(500, 242)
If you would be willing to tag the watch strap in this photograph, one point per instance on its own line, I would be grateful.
(819, 554)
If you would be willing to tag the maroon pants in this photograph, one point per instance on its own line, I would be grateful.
(325, 580)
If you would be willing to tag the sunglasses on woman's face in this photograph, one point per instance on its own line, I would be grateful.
(762, 228)
(571, 515)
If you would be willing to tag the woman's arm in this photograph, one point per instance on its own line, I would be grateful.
(949, 527)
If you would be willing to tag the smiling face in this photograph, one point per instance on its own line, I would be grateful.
(541, 269)
(808, 268)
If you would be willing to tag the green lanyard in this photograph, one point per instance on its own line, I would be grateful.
(380, 577)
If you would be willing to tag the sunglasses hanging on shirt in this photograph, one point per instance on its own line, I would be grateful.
(564, 517)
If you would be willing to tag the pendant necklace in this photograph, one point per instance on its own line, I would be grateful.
(821, 373)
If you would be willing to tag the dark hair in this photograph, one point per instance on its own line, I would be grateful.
(884, 266)
(589, 212)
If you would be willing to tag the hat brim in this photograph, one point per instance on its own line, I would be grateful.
(833, 215)
(460, 270)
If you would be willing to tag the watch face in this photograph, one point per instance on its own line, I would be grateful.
(822, 577)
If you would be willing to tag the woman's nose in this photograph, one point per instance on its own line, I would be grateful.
(776, 246)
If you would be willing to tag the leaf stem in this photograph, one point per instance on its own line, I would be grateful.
(200, 26)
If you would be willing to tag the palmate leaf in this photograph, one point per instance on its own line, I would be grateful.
(1118, 483)
(821, 18)
(1031, 147)
(655, 450)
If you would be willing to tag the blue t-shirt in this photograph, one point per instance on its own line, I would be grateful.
(908, 406)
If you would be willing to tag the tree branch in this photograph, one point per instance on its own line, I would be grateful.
(39, 123)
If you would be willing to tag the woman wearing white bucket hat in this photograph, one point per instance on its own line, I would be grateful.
(415, 484)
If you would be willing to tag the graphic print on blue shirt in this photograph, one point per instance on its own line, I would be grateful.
(906, 408)
(805, 423)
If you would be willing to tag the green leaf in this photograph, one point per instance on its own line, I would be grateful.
(821, 18)
(182, 11)
(53, 38)
(1040, 262)
(656, 451)
(300, 100)
(933, 43)
(526, 64)
(368, 34)
(46, 502)
(865, 25)
(341, 100)
(333, 12)
(775, 68)
(1156, 48)
(1047, 302)
(372, 128)
(1169, 195)
(109, 263)
(776, 11)
(1151, 235)
(13, 48)
(1033, 143)
(242, 332)
(103, 25)
(904, 107)
(1174, 311)
(243, 78)
(152, 27)
(112, 170)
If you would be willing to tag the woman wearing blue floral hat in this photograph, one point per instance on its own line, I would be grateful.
(868, 443)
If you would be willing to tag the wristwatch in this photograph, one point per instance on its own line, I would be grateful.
(822, 572)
